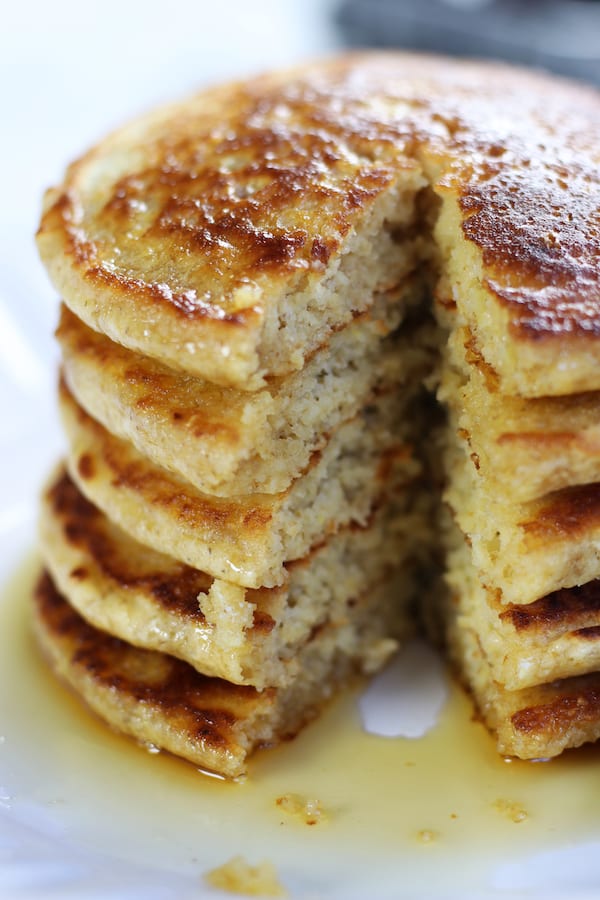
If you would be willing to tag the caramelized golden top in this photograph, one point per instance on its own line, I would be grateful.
(197, 207)
(204, 212)
(119, 559)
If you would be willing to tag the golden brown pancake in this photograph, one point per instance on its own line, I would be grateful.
(535, 445)
(247, 539)
(536, 722)
(221, 629)
(526, 550)
(555, 637)
(224, 440)
(288, 200)
(164, 702)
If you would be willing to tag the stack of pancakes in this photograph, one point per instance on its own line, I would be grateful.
(254, 467)
(523, 563)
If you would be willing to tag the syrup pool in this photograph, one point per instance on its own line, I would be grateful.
(434, 816)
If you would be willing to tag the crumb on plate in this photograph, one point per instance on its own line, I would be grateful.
(310, 811)
(237, 876)
(513, 811)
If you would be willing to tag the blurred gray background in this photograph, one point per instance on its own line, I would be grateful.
(560, 35)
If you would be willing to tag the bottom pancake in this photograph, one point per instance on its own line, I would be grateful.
(165, 702)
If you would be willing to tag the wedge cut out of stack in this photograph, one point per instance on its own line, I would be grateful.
(264, 289)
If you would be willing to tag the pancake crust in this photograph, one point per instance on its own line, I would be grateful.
(555, 637)
(151, 696)
(558, 636)
(265, 190)
(526, 550)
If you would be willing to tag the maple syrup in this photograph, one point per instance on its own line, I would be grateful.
(413, 808)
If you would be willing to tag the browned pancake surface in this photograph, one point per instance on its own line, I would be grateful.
(552, 717)
(571, 609)
(147, 694)
(255, 185)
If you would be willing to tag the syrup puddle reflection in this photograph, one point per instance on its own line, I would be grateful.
(436, 815)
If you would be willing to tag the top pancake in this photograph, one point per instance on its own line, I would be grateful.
(230, 234)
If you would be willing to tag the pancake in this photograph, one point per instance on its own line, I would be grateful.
(535, 445)
(555, 637)
(288, 200)
(163, 702)
(223, 630)
(282, 265)
(247, 539)
(223, 440)
(526, 550)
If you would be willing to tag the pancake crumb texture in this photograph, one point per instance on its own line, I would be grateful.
(330, 362)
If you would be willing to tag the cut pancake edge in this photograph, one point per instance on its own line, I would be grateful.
(247, 636)
(227, 442)
(531, 447)
(246, 540)
(531, 721)
(164, 702)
